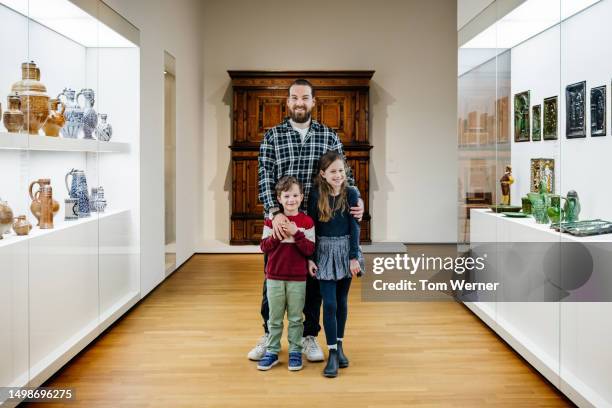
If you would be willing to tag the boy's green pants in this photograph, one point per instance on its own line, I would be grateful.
(287, 295)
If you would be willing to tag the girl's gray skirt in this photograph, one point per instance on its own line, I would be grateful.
(332, 258)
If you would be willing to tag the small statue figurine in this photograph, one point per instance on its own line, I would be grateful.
(505, 182)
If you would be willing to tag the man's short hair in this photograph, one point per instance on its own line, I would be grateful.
(285, 183)
(304, 82)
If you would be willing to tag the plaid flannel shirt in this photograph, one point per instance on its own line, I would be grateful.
(282, 153)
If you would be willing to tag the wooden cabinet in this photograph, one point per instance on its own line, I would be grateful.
(259, 103)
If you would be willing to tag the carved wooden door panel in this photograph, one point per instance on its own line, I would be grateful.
(265, 109)
(252, 188)
(336, 109)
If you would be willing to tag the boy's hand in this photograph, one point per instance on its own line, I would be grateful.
(357, 212)
(312, 268)
(355, 268)
(278, 221)
(290, 228)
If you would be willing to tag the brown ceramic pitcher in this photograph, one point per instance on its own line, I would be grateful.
(55, 120)
(35, 207)
(46, 206)
(13, 117)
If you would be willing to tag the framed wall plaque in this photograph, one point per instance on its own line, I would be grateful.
(575, 106)
(542, 169)
(550, 118)
(521, 117)
(536, 126)
(598, 111)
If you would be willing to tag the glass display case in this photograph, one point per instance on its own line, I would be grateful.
(69, 180)
(533, 142)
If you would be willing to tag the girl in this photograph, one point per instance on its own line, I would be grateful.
(337, 257)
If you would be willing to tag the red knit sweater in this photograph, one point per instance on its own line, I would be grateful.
(288, 259)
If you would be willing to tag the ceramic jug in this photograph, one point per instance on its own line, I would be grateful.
(21, 226)
(46, 207)
(6, 218)
(104, 131)
(73, 114)
(571, 208)
(34, 196)
(13, 117)
(55, 120)
(539, 208)
(33, 95)
(78, 189)
(90, 117)
(98, 202)
(555, 213)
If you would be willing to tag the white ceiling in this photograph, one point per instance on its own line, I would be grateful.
(468, 9)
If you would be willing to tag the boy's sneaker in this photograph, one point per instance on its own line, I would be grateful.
(295, 361)
(310, 347)
(268, 361)
(260, 349)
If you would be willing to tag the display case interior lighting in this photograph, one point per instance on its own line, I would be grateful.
(70, 21)
(527, 20)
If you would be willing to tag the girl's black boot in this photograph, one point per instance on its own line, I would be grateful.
(331, 369)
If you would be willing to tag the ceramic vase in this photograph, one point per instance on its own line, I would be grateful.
(104, 131)
(98, 202)
(554, 210)
(33, 96)
(13, 118)
(73, 114)
(526, 205)
(6, 218)
(35, 206)
(78, 189)
(55, 120)
(21, 226)
(538, 207)
(571, 208)
(46, 207)
(90, 117)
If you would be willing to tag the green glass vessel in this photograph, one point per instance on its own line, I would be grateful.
(538, 207)
(571, 208)
(526, 204)
(555, 213)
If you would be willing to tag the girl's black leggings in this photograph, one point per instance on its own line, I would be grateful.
(335, 307)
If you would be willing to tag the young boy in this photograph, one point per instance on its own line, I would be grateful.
(286, 273)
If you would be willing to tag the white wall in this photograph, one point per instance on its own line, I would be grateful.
(567, 54)
(412, 47)
(176, 27)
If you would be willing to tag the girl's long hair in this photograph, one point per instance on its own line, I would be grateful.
(325, 190)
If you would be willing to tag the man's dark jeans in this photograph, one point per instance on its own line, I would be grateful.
(312, 305)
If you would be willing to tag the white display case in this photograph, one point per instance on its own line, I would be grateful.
(61, 287)
(541, 47)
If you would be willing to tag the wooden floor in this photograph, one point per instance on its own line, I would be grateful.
(185, 345)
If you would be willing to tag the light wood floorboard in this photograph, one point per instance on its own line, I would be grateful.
(185, 345)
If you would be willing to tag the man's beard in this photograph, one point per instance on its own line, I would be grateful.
(299, 117)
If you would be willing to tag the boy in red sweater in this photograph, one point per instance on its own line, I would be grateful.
(286, 273)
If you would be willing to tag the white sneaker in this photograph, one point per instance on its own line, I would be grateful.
(260, 349)
(311, 348)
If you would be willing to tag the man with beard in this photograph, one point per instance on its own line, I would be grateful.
(293, 148)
